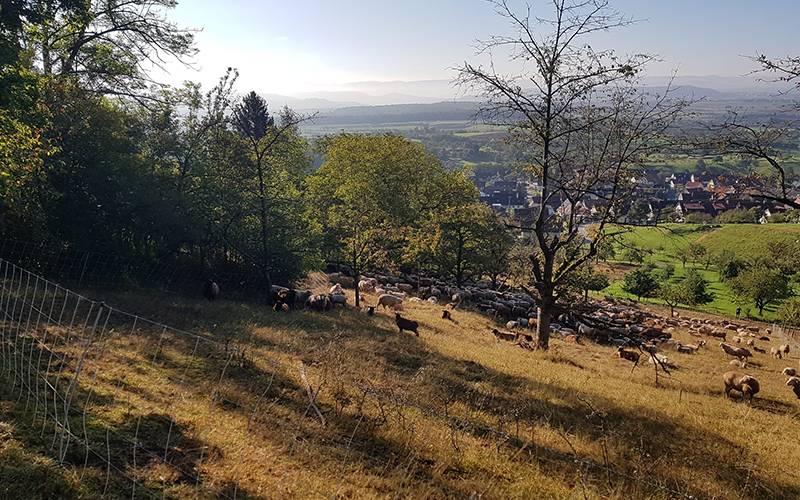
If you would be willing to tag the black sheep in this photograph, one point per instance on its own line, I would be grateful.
(210, 290)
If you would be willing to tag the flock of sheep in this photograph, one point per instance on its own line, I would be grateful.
(634, 332)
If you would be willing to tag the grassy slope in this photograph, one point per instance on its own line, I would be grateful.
(745, 240)
(576, 398)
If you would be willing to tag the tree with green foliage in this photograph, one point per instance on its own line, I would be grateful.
(587, 279)
(640, 283)
(639, 211)
(696, 288)
(632, 255)
(373, 193)
(789, 312)
(683, 254)
(696, 252)
(673, 295)
(760, 286)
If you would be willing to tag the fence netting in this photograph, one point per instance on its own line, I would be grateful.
(143, 410)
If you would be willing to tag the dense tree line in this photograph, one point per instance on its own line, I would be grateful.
(95, 156)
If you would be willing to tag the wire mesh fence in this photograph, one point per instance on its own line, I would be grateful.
(83, 269)
(144, 410)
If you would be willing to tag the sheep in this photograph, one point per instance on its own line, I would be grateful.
(629, 355)
(686, 349)
(776, 351)
(791, 372)
(368, 310)
(446, 314)
(738, 352)
(210, 290)
(433, 300)
(337, 288)
(659, 358)
(390, 301)
(365, 286)
(415, 300)
(319, 302)
(511, 337)
(794, 383)
(746, 384)
(758, 349)
(406, 324)
(405, 287)
(512, 325)
(338, 299)
(785, 349)
(738, 364)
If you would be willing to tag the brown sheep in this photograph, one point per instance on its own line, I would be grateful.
(629, 355)
(210, 290)
(746, 384)
(406, 324)
(794, 383)
(446, 314)
(738, 352)
(785, 349)
(390, 301)
(511, 337)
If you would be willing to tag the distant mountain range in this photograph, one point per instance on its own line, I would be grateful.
(433, 91)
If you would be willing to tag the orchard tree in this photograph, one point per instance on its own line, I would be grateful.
(373, 192)
(761, 286)
(641, 283)
(582, 121)
(673, 295)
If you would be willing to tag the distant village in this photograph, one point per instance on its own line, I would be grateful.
(680, 197)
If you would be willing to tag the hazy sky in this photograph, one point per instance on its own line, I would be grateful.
(294, 46)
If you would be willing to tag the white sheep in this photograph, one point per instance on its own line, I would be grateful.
(390, 301)
(791, 372)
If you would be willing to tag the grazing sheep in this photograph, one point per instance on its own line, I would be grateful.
(338, 299)
(365, 286)
(405, 287)
(446, 314)
(789, 371)
(511, 337)
(794, 383)
(629, 355)
(758, 349)
(433, 300)
(776, 351)
(764, 338)
(319, 302)
(280, 307)
(512, 325)
(746, 384)
(738, 364)
(738, 352)
(406, 324)
(415, 300)
(368, 310)
(685, 349)
(210, 290)
(390, 301)
(785, 349)
(337, 288)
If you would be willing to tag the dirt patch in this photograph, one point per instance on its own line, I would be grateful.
(614, 270)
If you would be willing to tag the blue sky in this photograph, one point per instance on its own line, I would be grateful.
(298, 46)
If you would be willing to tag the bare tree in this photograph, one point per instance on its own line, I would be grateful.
(584, 122)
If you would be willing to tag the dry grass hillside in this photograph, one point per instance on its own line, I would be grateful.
(376, 414)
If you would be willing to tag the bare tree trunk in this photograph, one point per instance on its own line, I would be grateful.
(546, 308)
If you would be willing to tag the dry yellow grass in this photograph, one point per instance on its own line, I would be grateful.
(246, 427)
